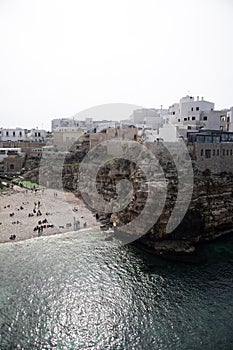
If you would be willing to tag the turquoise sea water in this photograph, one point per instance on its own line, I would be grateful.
(76, 291)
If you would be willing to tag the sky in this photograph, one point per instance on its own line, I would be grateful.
(59, 57)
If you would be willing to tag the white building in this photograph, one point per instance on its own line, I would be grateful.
(169, 133)
(84, 125)
(62, 123)
(188, 110)
(17, 134)
(230, 119)
(216, 120)
(191, 115)
(148, 117)
(37, 135)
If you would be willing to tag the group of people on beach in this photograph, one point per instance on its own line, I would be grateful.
(43, 223)
(40, 228)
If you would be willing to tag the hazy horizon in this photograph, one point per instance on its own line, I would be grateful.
(59, 58)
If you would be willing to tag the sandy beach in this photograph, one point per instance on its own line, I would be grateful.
(22, 211)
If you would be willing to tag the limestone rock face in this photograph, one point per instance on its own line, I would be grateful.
(209, 215)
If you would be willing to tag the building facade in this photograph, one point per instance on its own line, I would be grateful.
(150, 118)
(66, 136)
(192, 115)
(212, 150)
(21, 135)
(37, 135)
(16, 134)
(62, 123)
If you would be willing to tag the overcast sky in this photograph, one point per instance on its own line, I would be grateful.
(59, 57)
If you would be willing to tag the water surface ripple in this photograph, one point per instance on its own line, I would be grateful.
(77, 291)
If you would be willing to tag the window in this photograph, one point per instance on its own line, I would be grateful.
(178, 120)
(213, 152)
(223, 152)
(12, 166)
(192, 109)
(193, 118)
(197, 108)
(228, 119)
(224, 137)
(189, 127)
(13, 133)
(208, 138)
(200, 138)
(222, 118)
(188, 118)
(217, 152)
(38, 134)
(185, 119)
(201, 152)
(227, 152)
(35, 134)
(205, 117)
(231, 152)
(230, 137)
(7, 133)
(208, 153)
(216, 139)
(20, 133)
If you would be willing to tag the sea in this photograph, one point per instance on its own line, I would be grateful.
(78, 291)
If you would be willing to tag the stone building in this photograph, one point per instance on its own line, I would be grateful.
(119, 133)
(212, 150)
(13, 165)
(26, 147)
(65, 137)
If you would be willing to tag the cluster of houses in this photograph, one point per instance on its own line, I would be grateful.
(207, 132)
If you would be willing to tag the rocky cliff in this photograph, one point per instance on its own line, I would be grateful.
(209, 214)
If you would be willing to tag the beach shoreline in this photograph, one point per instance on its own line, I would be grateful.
(26, 214)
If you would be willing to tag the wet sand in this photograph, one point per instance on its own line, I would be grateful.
(60, 209)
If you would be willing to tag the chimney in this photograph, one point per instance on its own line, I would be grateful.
(197, 98)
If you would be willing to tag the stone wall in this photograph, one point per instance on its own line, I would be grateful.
(216, 157)
(13, 165)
